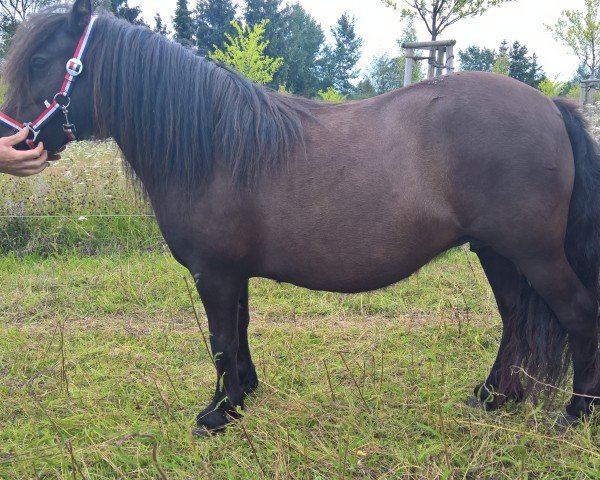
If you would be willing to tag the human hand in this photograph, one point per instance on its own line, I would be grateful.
(22, 163)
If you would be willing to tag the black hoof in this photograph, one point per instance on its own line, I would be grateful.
(203, 432)
(487, 398)
(474, 402)
(214, 420)
(565, 421)
(581, 406)
(493, 400)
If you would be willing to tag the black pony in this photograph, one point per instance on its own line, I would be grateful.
(247, 182)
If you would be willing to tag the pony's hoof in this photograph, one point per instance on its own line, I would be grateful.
(487, 399)
(212, 421)
(202, 432)
(565, 421)
(582, 407)
(474, 402)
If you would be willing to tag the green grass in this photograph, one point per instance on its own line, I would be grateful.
(80, 205)
(101, 356)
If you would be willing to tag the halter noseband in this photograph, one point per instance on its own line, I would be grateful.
(61, 100)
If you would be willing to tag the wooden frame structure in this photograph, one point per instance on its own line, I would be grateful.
(587, 90)
(440, 58)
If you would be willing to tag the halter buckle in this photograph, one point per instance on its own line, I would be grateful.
(33, 131)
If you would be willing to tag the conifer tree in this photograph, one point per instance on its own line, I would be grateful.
(213, 21)
(159, 26)
(122, 10)
(338, 64)
(183, 24)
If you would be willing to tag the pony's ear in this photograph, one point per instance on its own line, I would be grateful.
(80, 15)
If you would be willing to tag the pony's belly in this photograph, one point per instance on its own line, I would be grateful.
(343, 284)
(347, 251)
(346, 274)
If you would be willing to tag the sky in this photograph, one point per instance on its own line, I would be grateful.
(380, 26)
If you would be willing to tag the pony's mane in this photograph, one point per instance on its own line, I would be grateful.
(177, 117)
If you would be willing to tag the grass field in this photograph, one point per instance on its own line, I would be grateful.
(103, 367)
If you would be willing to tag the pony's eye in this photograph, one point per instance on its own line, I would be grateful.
(38, 63)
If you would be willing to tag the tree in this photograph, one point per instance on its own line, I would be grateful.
(183, 24)
(302, 41)
(384, 74)
(553, 88)
(387, 73)
(296, 37)
(12, 13)
(8, 28)
(475, 58)
(257, 11)
(17, 10)
(122, 10)
(331, 95)
(440, 14)
(364, 89)
(524, 68)
(213, 21)
(159, 26)
(513, 61)
(246, 53)
(338, 62)
(409, 35)
(501, 65)
(580, 31)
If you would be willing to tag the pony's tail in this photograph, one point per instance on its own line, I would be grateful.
(538, 343)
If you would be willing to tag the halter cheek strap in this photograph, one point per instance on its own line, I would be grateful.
(61, 100)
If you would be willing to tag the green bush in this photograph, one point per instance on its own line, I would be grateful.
(331, 95)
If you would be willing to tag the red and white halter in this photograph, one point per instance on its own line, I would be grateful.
(61, 100)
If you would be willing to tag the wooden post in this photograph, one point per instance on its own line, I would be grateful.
(408, 67)
(439, 60)
(449, 59)
(587, 90)
(440, 53)
(431, 67)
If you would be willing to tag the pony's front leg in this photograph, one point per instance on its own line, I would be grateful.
(220, 294)
(246, 369)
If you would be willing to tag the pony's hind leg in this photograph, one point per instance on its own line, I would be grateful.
(576, 309)
(501, 385)
(246, 369)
